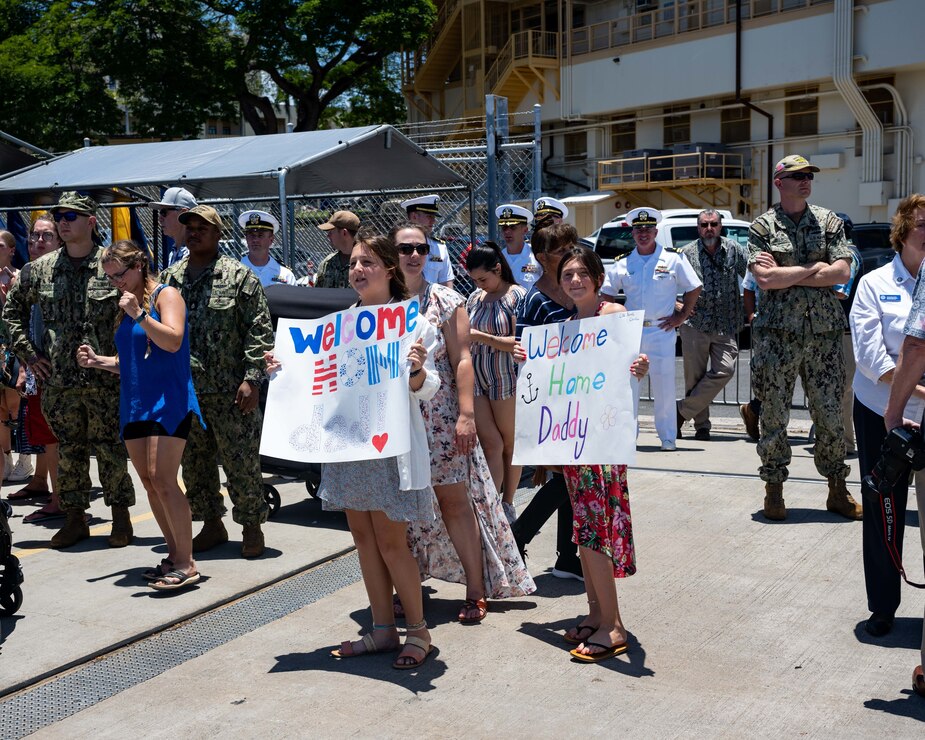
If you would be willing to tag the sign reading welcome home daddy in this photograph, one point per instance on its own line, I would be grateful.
(576, 397)
(342, 391)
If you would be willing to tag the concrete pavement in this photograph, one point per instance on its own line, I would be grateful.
(738, 627)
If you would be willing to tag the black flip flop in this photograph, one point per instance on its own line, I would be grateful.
(608, 651)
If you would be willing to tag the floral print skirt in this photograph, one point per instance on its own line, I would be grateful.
(601, 513)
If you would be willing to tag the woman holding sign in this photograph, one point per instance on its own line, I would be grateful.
(601, 527)
(470, 540)
(381, 496)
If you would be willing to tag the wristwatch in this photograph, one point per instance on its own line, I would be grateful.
(141, 317)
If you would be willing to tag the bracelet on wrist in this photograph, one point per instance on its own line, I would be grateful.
(415, 373)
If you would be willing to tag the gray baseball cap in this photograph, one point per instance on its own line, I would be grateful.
(175, 198)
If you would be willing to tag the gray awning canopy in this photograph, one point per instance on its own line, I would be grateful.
(318, 162)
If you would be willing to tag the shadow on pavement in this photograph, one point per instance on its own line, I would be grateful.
(377, 666)
(906, 634)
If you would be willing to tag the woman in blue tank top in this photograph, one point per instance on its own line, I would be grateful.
(157, 401)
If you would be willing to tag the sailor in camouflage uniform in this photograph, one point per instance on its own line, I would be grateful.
(79, 306)
(230, 329)
(797, 253)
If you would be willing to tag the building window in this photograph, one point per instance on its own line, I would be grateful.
(677, 127)
(801, 114)
(226, 130)
(622, 136)
(735, 123)
(576, 146)
(880, 99)
(213, 130)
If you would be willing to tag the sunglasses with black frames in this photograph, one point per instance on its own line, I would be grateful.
(798, 176)
(407, 248)
(67, 216)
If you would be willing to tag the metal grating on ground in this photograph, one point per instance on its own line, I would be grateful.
(58, 698)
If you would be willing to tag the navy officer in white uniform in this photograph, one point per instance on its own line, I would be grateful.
(423, 212)
(513, 223)
(260, 229)
(651, 277)
(548, 212)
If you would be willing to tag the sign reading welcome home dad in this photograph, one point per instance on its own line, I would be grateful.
(342, 391)
(575, 394)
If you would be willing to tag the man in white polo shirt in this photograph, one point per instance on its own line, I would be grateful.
(260, 228)
(423, 212)
(513, 223)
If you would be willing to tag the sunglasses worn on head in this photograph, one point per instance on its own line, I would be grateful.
(67, 216)
(798, 176)
(407, 249)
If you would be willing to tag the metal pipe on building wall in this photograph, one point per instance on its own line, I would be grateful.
(751, 106)
(843, 77)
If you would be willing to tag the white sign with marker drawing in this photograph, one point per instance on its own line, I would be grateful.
(342, 391)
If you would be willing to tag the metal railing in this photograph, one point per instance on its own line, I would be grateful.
(612, 174)
(523, 46)
(672, 20)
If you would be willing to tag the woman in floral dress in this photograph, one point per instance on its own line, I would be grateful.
(470, 540)
(602, 527)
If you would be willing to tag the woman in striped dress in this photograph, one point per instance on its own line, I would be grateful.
(492, 310)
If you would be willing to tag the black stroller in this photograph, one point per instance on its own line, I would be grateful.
(296, 302)
(10, 572)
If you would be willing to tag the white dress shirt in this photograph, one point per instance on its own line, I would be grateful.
(272, 272)
(652, 282)
(881, 306)
(438, 268)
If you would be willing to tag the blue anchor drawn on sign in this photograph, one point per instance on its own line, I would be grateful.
(530, 390)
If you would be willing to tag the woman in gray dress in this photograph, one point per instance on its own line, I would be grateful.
(382, 496)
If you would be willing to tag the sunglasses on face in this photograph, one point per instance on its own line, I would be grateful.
(408, 249)
(164, 211)
(708, 224)
(798, 176)
(70, 216)
(43, 236)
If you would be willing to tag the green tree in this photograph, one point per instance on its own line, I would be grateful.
(171, 61)
(53, 94)
(317, 51)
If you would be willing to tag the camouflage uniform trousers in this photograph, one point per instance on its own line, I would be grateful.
(86, 420)
(234, 439)
(818, 359)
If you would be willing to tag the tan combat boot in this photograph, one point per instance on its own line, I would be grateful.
(74, 530)
(212, 534)
(841, 502)
(774, 508)
(253, 546)
(122, 533)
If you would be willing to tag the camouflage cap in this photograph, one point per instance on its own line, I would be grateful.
(74, 201)
(206, 213)
(793, 163)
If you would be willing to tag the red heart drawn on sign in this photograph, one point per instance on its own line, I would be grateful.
(379, 441)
